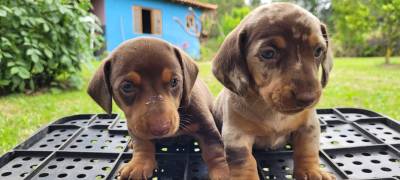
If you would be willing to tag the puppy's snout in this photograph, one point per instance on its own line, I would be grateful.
(305, 98)
(159, 127)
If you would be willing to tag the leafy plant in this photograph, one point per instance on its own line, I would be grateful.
(43, 43)
(388, 18)
(230, 21)
(225, 8)
(367, 28)
(233, 19)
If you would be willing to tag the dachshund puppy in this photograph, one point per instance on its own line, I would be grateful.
(155, 84)
(269, 65)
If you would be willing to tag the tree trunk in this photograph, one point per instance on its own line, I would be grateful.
(388, 55)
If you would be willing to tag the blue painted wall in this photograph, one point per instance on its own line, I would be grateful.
(119, 23)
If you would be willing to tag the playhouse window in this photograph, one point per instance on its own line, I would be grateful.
(146, 20)
(190, 21)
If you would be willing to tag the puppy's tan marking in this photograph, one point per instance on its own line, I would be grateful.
(315, 40)
(280, 42)
(166, 75)
(134, 77)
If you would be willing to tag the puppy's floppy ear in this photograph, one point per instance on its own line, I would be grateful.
(190, 71)
(100, 87)
(327, 62)
(229, 65)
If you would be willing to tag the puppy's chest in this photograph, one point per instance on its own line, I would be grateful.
(276, 133)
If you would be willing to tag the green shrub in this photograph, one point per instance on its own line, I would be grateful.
(209, 48)
(43, 43)
(230, 21)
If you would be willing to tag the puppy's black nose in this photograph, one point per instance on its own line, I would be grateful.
(160, 128)
(305, 99)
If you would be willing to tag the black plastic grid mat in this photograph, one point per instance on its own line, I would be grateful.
(355, 144)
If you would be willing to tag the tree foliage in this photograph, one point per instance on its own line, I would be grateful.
(43, 43)
(357, 27)
(225, 9)
(226, 6)
(353, 23)
(367, 28)
(233, 19)
(320, 8)
(388, 21)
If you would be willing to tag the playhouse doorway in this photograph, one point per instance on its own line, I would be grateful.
(147, 20)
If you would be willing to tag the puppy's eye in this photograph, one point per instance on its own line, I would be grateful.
(174, 82)
(318, 52)
(268, 54)
(127, 87)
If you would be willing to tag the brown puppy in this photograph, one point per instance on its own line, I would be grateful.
(156, 86)
(269, 65)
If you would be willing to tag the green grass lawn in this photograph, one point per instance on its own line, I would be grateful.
(355, 82)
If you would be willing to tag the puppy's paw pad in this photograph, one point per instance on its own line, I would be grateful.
(137, 170)
(313, 174)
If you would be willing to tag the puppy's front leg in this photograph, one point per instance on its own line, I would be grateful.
(306, 152)
(238, 148)
(143, 161)
(213, 152)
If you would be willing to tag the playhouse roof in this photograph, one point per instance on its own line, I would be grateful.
(198, 4)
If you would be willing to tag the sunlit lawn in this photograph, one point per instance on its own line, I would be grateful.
(355, 82)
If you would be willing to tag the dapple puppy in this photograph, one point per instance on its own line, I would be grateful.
(269, 65)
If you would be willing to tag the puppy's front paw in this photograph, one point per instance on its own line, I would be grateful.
(137, 169)
(313, 174)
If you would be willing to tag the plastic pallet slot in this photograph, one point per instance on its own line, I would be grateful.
(170, 166)
(119, 125)
(19, 164)
(105, 119)
(387, 130)
(353, 131)
(329, 115)
(72, 165)
(50, 138)
(78, 120)
(397, 146)
(84, 120)
(340, 134)
(352, 114)
(367, 162)
(279, 165)
(97, 138)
